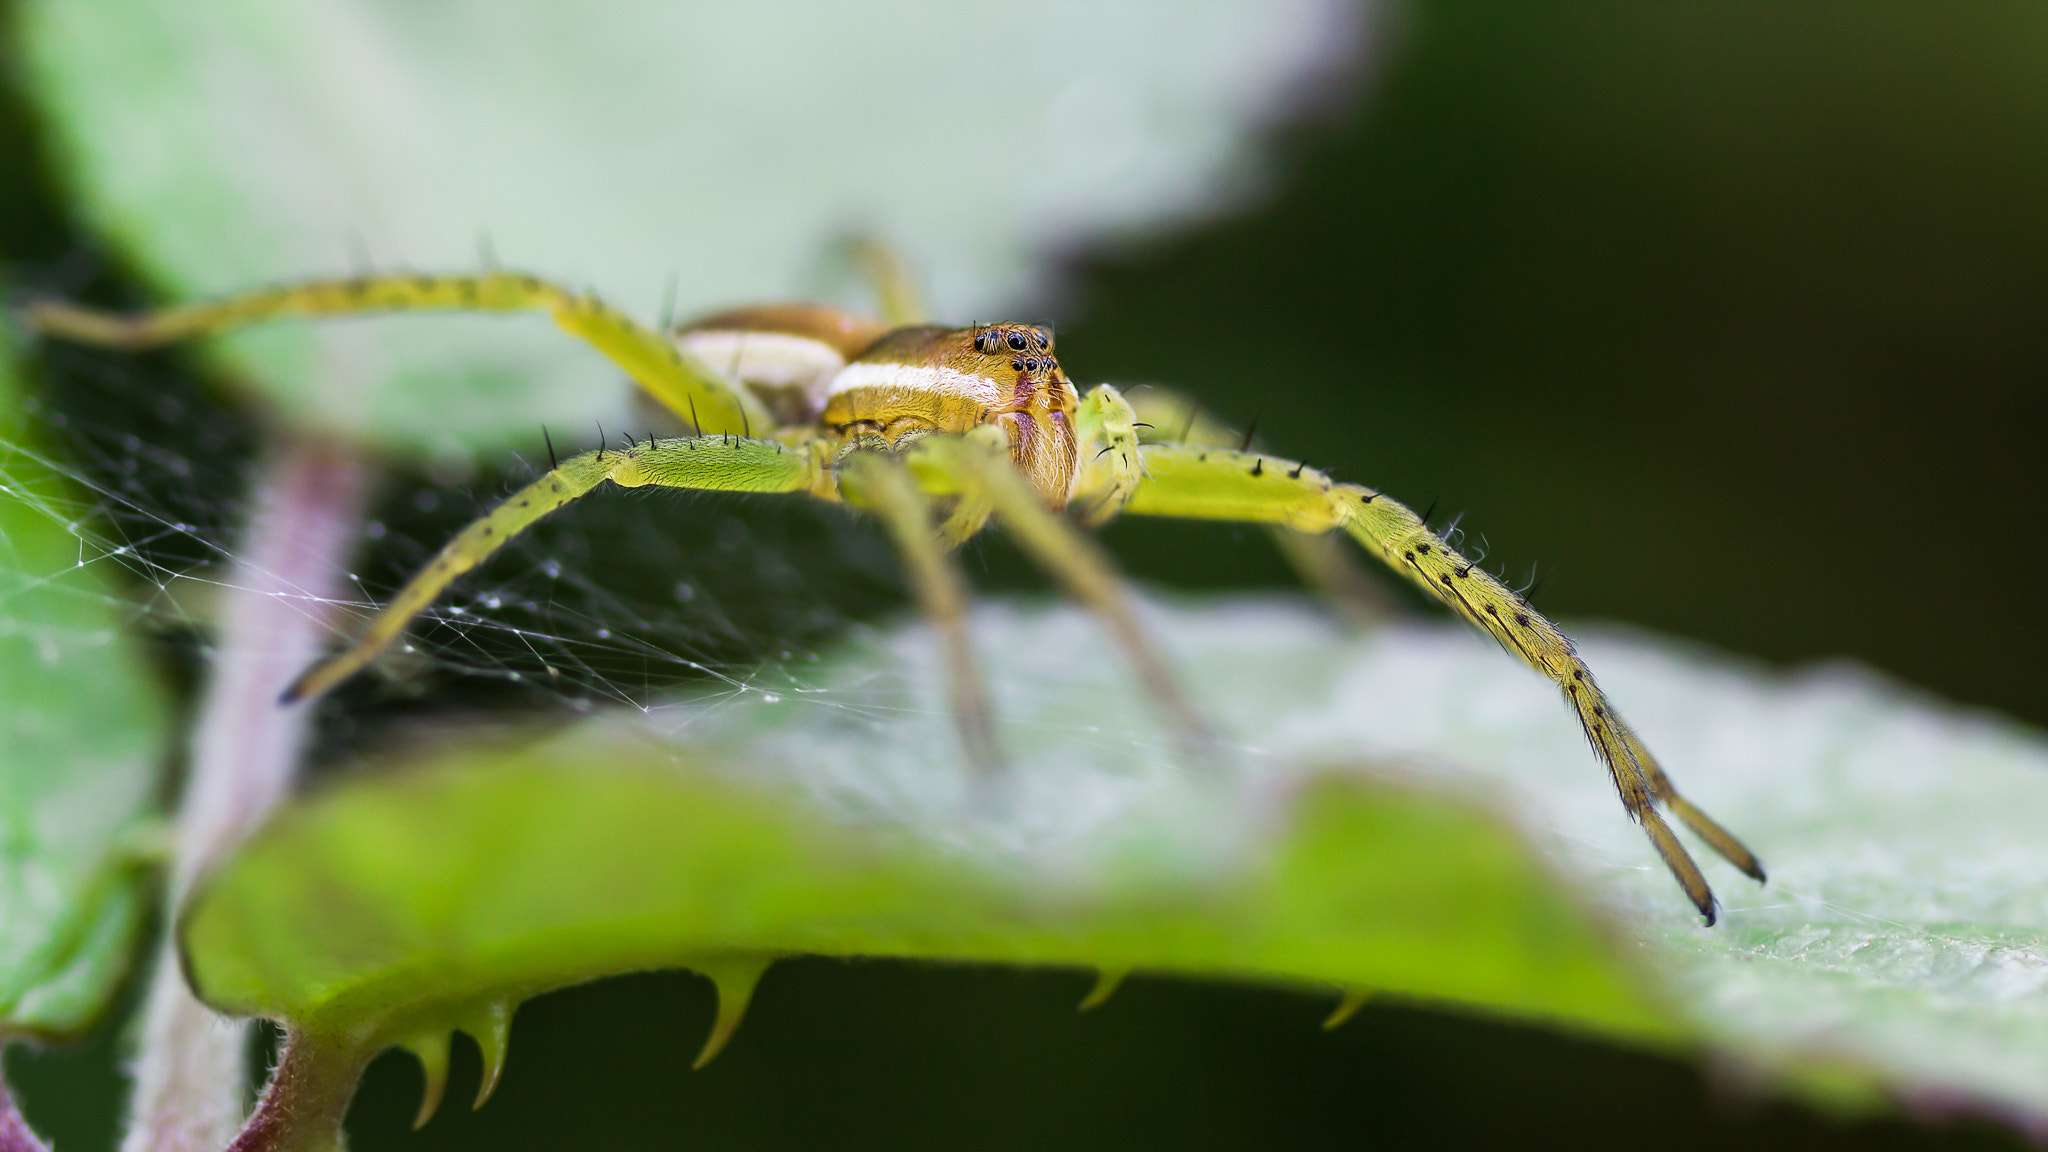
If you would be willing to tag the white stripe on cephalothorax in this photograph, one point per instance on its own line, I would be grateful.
(949, 382)
(770, 359)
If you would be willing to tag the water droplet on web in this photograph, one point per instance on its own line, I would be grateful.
(685, 593)
(492, 602)
(771, 697)
(553, 568)
(604, 633)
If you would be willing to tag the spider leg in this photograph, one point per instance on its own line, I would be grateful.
(1113, 468)
(882, 485)
(890, 278)
(708, 463)
(652, 359)
(1224, 484)
(977, 467)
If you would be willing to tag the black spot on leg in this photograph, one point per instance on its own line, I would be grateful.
(1578, 673)
(1599, 711)
(1465, 572)
(1522, 618)
(1422, 548)
(1258, 467)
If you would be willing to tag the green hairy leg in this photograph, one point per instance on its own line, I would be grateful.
(1221, 484)
(651, 358)
(1112, 468)
(977, 468)
(883, 486)
(703, 463)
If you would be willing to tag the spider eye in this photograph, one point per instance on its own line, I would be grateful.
(987, 342)
(1016, 341)
(1044, 338)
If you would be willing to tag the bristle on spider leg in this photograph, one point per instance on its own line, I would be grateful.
(1251, 430)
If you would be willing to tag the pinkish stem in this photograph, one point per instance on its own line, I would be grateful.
(275, 620)
(306, 1100)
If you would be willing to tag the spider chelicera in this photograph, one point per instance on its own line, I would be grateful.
(936, 431)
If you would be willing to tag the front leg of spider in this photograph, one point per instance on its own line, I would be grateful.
(1223, 484)
(703, 463)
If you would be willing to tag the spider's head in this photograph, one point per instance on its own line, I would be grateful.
(1022, 348)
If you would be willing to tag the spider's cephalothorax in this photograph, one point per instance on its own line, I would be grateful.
(917, 381)
(937, 431)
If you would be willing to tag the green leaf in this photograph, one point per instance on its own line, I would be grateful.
(81, 736)
(1357, 846)
(723, 148)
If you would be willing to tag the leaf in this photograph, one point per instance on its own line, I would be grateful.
(722, 148)
(82, 731)
(1898, 945)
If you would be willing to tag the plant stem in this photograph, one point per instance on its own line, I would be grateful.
(190, 1074)
(307, 1098)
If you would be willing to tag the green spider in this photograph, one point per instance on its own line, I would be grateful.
(936, 431)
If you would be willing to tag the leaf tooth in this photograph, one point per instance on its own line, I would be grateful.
(1354, 999)
(432, 1050)
(490, 1025)
(734, 977)
(1107, 981)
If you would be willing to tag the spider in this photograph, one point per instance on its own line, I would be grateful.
(935, 431)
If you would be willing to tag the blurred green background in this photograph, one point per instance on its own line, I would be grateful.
(1728, 317)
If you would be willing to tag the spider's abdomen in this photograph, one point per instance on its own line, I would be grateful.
(785, 354)
(915, 381)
